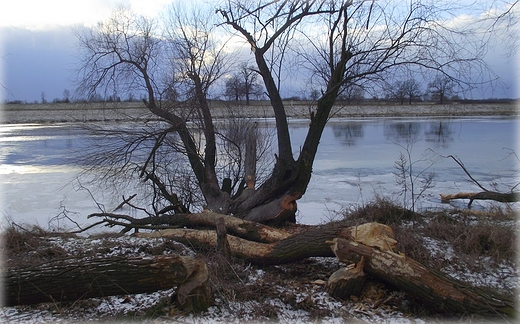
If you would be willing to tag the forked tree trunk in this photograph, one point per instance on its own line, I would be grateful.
(68, 280)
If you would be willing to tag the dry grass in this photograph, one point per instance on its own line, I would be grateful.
(467, 243)
(479, 242)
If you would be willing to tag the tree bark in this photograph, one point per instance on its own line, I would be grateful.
(71, 279)
(483, 195)
(249, 230)
(276, 212)
(250, 158)
(222, 242)
(432, 287)
(303, 242)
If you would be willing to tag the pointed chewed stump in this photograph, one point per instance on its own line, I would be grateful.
(347, 281)
(443, 293)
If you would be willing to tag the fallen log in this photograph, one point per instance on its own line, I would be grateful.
(483, 195)
(71, 279)
(432, 287)
(306, 241)
(249, 230)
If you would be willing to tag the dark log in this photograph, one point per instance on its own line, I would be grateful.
(347, 281)
(484, 195)
(71, 279)
(276, 212)
(432, 287)
(222, 242)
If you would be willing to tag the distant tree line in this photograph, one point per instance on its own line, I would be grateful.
(243, 86)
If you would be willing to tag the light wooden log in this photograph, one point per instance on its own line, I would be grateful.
(484, 195)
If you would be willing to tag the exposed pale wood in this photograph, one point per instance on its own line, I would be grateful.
(253, 231)
(71, 279)
(483, 195)
(372, 234)
(208, 239)
(347, 281)
(432, 287)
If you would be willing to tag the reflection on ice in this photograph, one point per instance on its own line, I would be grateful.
(354, 164)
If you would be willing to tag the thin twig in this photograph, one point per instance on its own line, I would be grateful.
(466, 171)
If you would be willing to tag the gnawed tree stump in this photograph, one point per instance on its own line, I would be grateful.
(71, 279)
(275, 212)
(347, 281)
(432, 287)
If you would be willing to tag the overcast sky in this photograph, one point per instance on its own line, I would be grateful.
(39, 52)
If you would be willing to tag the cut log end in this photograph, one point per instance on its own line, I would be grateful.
(346, 282)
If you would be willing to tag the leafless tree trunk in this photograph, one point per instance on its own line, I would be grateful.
(362, 41)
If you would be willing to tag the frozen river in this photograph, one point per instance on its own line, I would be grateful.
(355, 162)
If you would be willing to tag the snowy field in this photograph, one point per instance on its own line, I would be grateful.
(81, 112)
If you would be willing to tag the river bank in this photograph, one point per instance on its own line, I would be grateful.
(121, 111)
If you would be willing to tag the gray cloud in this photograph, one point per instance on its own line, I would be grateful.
(37, 61)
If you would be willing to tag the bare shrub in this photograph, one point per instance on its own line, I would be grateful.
(479, 237)
(478, 242)
(22, 245)
(382, 211)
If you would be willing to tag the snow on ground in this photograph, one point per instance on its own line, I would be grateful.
(290, 301)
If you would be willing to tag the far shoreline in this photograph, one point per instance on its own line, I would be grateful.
(126, 111)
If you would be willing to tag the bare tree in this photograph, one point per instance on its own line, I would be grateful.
(125, 52)
(243, 84)
(233, 86)
(339, 43)
(352, 93)
(408, 90)
(249, 77)
(441, 87)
